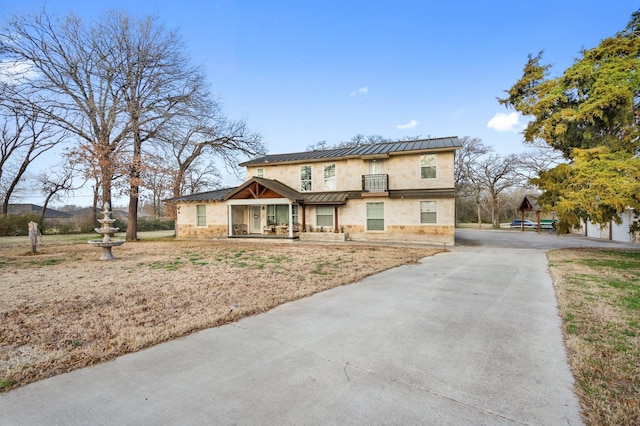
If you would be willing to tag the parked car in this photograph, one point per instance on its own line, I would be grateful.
(527, 224)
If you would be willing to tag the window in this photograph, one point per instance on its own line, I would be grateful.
(305, 178)
(324, 216)
(201, 213)
(260, 173)
(428, 166)
(279, 214)
(329, 177)
(428, 211)
(294, 213)
(375, 216)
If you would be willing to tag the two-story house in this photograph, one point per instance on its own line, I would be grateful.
(391, 191)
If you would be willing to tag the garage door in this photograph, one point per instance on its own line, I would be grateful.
(621, 232)
(593, 230)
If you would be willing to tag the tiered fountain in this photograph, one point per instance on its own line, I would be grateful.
(107, 230)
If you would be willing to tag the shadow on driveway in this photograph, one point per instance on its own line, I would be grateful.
(508, 238)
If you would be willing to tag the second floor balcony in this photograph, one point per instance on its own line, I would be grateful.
(378, 183)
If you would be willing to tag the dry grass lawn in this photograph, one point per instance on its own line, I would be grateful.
(598, 295)
(63, 309)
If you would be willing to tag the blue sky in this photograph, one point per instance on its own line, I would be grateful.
(302, 72)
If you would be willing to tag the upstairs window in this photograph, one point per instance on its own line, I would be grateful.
(329, 177)
(201, 213)
(305, 178)
(428, 166)
(260, 173)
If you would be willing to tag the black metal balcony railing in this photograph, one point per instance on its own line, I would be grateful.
(375, 183)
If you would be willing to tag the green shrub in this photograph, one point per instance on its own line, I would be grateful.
(61, 228)
(155, 224)
(18, 224)
(119, 223)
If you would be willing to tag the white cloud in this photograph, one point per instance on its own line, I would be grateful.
(14, 72)
(361, 91)
(458, 113)
(504, 122)
(409, 125)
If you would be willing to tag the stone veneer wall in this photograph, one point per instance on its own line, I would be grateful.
(212, 231)
(403, 170)
(435, 235)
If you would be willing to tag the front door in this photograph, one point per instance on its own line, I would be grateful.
(255, 220)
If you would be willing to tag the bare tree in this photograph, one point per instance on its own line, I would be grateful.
(538, 158)
(468, 181)
(25, 136)
(73, 82)
(496, 174)
(356, 140)
(206, 133)
(59, 180)
(157, 178)
(159, 85)
(116, 84)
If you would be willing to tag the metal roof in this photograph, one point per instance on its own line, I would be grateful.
(383, 148)
(529, 203)
(18, 209)
(216, 195)
(331, 198)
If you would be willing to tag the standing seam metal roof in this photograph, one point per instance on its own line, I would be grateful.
(216, 195)
(362, 150)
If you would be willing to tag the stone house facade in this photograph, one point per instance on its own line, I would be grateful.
(392, 191)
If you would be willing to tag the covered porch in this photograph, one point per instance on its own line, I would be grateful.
(264, 208)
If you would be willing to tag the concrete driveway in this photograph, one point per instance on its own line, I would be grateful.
(466, 337)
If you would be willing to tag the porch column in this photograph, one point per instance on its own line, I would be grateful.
(304, 219)
(230, 220)
(335, 215)
(290, 219)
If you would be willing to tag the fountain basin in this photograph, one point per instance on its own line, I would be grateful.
(102, 243)
(106, 247)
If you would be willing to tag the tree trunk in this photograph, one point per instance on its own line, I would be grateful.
(132, 220)
(494, 213)
(44, 208)
(134, 182)
(94, 210)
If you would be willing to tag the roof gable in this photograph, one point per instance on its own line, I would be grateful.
(261, 188)
(376, 149)
(529, 203)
